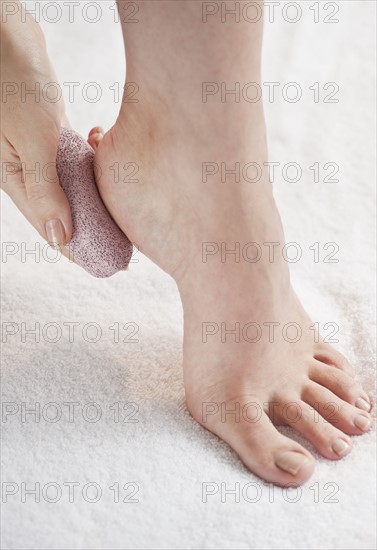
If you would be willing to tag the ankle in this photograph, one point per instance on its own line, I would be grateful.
(222, 131)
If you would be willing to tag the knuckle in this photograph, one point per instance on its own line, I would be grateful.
(37, 193)
(306, 415)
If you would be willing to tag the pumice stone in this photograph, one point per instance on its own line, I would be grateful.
(97, 245)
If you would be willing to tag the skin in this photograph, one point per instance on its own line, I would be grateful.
(24, 62)
(169, 212)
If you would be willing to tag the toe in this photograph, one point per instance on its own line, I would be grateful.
(265, 451)
(330, 356)
(328, 440)
(345, 417)
(341, 384)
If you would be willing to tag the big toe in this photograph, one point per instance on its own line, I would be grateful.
(265, 451)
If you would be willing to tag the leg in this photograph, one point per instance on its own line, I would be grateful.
(170, 213)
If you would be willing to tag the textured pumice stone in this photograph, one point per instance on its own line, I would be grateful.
(97, 244)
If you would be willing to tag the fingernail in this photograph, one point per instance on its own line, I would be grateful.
(55, 232)
(291, 461)
(363, 404)
(96, 130)
(362, 423)
(341, 447)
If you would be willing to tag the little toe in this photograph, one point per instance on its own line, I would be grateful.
(341, 384)
(346, 417)
(330, 356)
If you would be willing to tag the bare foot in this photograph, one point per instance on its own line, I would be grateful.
(249, 346)
(251, 357)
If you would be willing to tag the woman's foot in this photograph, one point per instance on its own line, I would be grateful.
(249, 346)
(252, 357)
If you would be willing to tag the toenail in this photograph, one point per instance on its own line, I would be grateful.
(291, 461)
(363, 404)
(341, 447)
(362, 422)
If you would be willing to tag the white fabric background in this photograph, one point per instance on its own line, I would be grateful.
(166, 452)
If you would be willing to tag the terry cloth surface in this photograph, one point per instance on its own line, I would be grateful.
(127, 341)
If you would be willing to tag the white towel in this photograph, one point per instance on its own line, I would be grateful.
(166, 461)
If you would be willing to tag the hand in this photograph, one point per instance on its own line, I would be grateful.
(31, 125)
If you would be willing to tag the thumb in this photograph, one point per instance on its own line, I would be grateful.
(46, 199)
